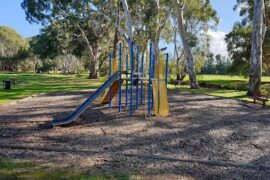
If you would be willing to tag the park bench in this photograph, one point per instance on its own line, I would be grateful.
(261, 98)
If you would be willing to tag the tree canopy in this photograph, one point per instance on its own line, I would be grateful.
(12, 48)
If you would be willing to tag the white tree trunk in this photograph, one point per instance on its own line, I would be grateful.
(94, 55)
(255, 73)
(184, 37)
(128, 19)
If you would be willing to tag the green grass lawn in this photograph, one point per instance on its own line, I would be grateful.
(29, 84)
(234, 87)
(233, 82)
(16, 169)
(230, 82)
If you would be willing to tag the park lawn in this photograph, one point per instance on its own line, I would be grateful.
(231, 82)
(234, 87)
(18, 169)
(240, 95)
(28, 84)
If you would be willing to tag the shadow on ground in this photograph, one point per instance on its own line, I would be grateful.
(204, 137)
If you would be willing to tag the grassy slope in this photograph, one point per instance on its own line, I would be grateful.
(29, 84)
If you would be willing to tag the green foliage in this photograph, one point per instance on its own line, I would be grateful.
(8, 35)
(72, 27)
(222, 65)
(46, 44)
(216, 65)
(13, 48)
(200, 16)
(47, 66)
(202, 11)
(240, 39)
(246, 11)
(200, 60)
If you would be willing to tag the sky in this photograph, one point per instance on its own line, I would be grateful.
(227, 18)
(12, 15)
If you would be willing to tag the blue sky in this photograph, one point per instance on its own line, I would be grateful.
(12, 15)
(227, 16)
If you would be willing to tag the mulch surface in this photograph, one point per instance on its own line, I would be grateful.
(203, 137)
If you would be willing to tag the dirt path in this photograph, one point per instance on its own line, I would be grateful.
(204, 137)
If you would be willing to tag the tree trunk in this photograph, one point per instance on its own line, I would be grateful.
(155, 43)
(115, 41)
(255, 73)
(94, 72)
(94, 64)
(93, 54)
(190, 60)
(128, 19)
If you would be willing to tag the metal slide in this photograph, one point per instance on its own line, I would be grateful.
(74, 115)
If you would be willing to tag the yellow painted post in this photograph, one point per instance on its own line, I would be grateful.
(160, 95)
(114, 65)
(161, 105)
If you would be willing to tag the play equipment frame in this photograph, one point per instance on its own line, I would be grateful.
(133, 77)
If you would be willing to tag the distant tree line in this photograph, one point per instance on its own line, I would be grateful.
(217, 65)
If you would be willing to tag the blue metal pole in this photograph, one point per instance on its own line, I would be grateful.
(137, 78)
(110, 74)
(142, 64)
(149, 80)
(153, 76)
(120, 78)
(126, 80)
(131, 77)
(167, 69)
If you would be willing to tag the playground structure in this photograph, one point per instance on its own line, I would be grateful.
(140, 83)
(132, 68)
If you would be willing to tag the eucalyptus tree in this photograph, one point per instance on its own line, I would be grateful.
(249, 41)
(178, 56)
(13, 48)
(159, 16)
(239, 40)
(85, 20)
(193, 17)
(149, 20)
(239, 48)
(259, 30)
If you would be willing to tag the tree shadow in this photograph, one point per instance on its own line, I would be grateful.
(199, 129)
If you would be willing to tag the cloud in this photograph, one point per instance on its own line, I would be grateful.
(217, 43)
